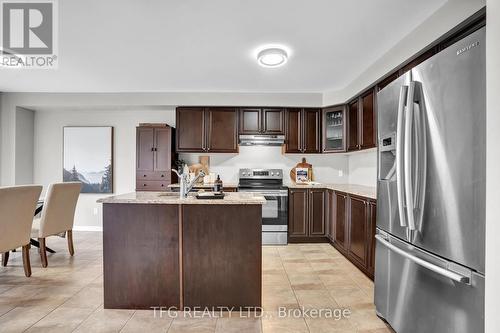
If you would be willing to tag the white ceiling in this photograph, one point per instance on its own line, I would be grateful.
(185, 45)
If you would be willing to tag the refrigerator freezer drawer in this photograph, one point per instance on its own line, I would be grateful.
(414, 298)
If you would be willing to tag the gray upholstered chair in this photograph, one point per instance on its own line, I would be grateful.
(57, 215)
(17, 206)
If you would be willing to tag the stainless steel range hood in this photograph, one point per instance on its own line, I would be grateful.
(262, 140)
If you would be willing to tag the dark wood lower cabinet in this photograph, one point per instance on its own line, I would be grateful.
(297, 213)
(340, 221)
(358, 226)
(317, 212)
(346, 221)
(352, 223)
(372, 225)
(182, 255)
(221, 267)
(145, 267)
(307, 216)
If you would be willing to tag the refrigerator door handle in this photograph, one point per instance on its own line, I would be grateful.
(420, 148)
(399, 155)
(430, 266)
(408, 157)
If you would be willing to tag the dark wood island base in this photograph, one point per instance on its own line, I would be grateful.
(182, 256)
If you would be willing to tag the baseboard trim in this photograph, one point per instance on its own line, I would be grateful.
(87, 228)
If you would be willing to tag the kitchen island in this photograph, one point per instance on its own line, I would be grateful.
(163, 251)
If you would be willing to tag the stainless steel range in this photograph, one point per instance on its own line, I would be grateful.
(269, 183)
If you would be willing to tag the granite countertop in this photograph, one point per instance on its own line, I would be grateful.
(361, 190)
(172, 198)
(206, 185)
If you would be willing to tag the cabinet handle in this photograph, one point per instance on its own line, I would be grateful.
(152, 148)
(162, 176)
(145, 176)
(144, 185)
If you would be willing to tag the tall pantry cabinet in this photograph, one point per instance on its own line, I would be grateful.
(154, 157)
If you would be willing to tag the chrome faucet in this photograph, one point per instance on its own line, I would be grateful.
(185, 185)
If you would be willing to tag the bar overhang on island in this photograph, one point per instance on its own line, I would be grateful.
(164, 251)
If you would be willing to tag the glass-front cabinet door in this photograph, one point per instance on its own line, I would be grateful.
(334, 129)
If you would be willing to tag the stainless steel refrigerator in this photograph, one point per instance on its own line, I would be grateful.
(429, 261)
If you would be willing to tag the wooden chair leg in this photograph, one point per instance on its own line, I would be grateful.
(43, 252)
(5, 258)
(26, 260)
(71, 249)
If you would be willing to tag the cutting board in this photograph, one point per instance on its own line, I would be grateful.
(302, 164)
(204, 164)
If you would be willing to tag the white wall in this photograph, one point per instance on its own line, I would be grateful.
(25, 121)
(444, 19)
(492, 166)
(363, 168)
(47, 167)
(84, 101)
(332, 168)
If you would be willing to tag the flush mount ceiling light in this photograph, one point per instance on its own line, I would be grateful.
(272, 57)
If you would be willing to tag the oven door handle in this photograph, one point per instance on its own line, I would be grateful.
(269, 193)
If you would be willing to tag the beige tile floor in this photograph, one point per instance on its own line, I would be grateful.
(68, 295)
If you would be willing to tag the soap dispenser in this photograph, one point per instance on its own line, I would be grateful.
(218, 185)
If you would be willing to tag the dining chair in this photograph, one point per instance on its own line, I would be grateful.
(17, 206)
(57, 216)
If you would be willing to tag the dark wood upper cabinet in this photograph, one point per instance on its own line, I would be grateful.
(362, 122)
(154, 157)
(368, 121)
(261, 121)
(391, 77)
(334, 129)
(222, 130)
(273, 121)
(250, 121)
(312, 131)
(358, 246)
(303, 130)
(210, 129)
(353, 126)
(340, 232)
(417, 61)
(190, 129)
(293, 130)
(317, 212)
(298, 213)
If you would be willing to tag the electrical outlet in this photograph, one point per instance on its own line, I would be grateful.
(95, 211)
(341, 173)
